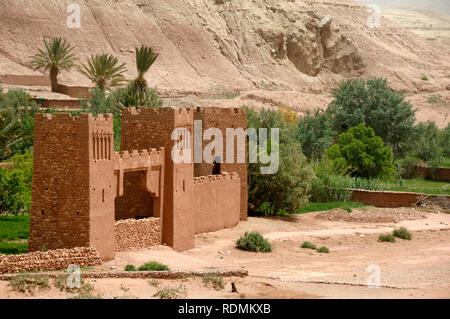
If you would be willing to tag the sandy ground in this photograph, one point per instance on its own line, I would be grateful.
(419, 268)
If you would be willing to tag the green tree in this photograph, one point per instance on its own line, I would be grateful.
(375, 104)
(287, 190)
(361, 153)
(428, 142)
(57, 56)
(104, 70)
(17, 111)
(315, 133)
(15, 185)
(145, 57)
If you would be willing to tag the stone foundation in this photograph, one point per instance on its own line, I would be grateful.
(49, 260)
(131, 234)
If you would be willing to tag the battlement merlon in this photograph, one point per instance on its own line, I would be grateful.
(216, 178)
(136, 160)
(178, 116)
(104, 121)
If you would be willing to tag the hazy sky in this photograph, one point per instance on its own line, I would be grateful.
(441, 6)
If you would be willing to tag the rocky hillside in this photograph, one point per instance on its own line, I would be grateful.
(274, 52)
(266, 44)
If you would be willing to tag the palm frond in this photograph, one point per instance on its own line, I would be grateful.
(104, 70)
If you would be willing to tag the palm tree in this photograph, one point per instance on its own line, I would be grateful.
(145, 57)
(104, 70)
(56, 57)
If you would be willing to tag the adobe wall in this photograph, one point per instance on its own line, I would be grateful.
(148, 128)
(61, 199)
(389, 198)
(442, 173)
(223, 118)
(134, 234)
(49, 260)
(74, 91)
(26, 80)
(217, 202)
(58, 104)
(73, 187)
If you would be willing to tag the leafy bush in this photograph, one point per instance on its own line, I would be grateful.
(323, 250)
(361, 153)
(153, 266)
(375, 104)
(332, 188)
(388, 238)
(15, 185)
(315, 133)
(287, 190)
(402, 233)
(130, 268)
(254, 242)
(308, 244)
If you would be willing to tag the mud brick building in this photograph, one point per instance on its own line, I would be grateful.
(81, 187)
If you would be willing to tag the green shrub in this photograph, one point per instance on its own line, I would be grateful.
(153, 266)
(424, 78)
(323, 250)
(254, 242)
(287, 190)
(170, 293)
(308, 244)
(402, 233)
(375, 104)
(130, 268)
(388, 238)
(361, 153)
(15, 185)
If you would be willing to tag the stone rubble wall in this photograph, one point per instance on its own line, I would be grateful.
(131, 234)
(49, 260)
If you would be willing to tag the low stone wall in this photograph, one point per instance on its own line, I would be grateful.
(131, 234)
(50, 260)
(170, 275)
(390, 198)
(441, 173)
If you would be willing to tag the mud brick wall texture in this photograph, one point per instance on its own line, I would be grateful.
(389, 199)
(217, 202)
(441, 174)
(131, 234)
(223, 118)
(49, 260)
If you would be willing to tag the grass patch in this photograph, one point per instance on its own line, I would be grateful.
(14, 234)
(402, 233)
(424, 78)
(27, 283)
(323, 250)
(13, 248)
(317, 207)
(170, 293)
(153, 266)
(254, 242)
(308, 244)
(214, 280)
(420, 185)
(445, 162)
(386, 238)
(153, 282)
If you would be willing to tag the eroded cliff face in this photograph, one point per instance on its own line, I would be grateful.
(298, 45)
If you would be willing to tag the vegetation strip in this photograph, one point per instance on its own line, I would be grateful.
(137, 275)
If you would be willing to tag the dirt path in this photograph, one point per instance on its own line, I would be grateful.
(419, 268)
